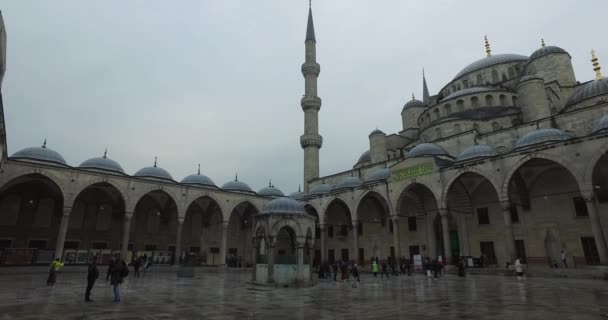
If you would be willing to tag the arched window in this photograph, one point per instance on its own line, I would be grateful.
(457, 128)
(511, 72)
(504, 77)
(479, 79)
(475, 102)
(514, 100)
(460, 105)
(428, 118)
(503, 100)
(489, 101)
(465, 83)
(496, 126)
(436, 114)
(458, 86)
(438, 133)
(448, 109)
(494, 76)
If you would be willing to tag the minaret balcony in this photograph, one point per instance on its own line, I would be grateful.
(310, 102)
(311, 140)
(311, 68)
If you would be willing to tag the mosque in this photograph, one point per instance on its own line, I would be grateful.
(506, 160)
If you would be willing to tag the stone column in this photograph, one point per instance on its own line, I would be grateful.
(124, 250)
(270, 256)
(463, 233)
(202, 241)
(63, 228)
(509, 237)
(224, 243)
(447, 246)
(355, 255)
(311, 252)
(596, 228)
(256, 249)
(323, 230)
(178, 240)
(396, 237)
(300, 262)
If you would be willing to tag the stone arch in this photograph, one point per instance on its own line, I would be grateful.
(409, 185)
(587, 182)
(458, 174)
(203, 222)
(10, 176)
(227, 212)
(103, 181)
(155, 224)
(504, 190)
(341, 200)
(283, 223)
(141, 189)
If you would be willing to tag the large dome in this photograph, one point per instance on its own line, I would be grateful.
(466, 91)
(320, 189)
(40, 154)
(490, 61)
(153, 172)
(541, 135)
(237, 185)
(477, 151)
(102, 163)
(348, 183)
(199, 179)
(271, 191)
(379, 175)
(589, 90)
(427, 149)
(600, 124)
(284, 205)
(543, 51)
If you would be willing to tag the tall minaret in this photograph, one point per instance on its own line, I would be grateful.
(311, 141)
(2, 70)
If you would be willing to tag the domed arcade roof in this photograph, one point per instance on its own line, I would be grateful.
(349, 182)
(379, 175)
(153, 172)
(40, 154)
(284, 205)
(271, 191)
(490, 61)
(427, 149)
(540, 136)
(589, 90)
(199, 179)
(102, 163)
(297, 195)
(476, 151)
(320, 189)
(237, 185)
(600, 124)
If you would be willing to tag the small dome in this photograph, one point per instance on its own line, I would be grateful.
(589, 90)
(320, 189)
(490, 61)
(466, 91)
(297, 195)
(40, 154)
(543, 51)
(529, 77)
(427, 149)
(271, 191)
(348, 183)
(600, 124)
(379, 175)
(102, 163)
(414, 103)
(153, 172)
(540, 136)
(377, 131)
(237, 185)
(198, 179)
(476, 151)
(366, 156)
(284, 205)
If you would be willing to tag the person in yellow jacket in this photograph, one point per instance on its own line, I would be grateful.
(55, 265)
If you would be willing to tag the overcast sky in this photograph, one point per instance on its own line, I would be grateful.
(219, 82)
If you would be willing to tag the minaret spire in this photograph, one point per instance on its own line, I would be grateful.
(105, 153)
(310, 141)
(487, 44)
(596, 66)
(425, 90)
(155, 159)
(199, 169)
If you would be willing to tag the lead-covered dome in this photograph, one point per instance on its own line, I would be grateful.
(477, 151)
(199, 179)
(40, 154)
(427, 149)
(284, 205)
(271, 191)
(153, 172)
(298, 195)
(600, 124)
(491, 61)
(320, 189)
(540, 136)
(466, 91)
(379, 175)
(414, 103)
(237, 185)
(589, 90)
(543, 51)
(102, 163)
(377, 131)
(366, 156)
(349, 183)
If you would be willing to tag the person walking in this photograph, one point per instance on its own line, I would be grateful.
(53, 270)
(563, 257)
(335, 270)
(355, 273)
(92, 275)
(461, 265)
(519, 269)
(118, 271)
(434, 269)
(136, 266)
(110, 265)
(384, 270)
(375, 268)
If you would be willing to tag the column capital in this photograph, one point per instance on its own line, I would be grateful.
(180, 220)
(443, 212)
(128, 215)
(355, 223)
(505, 205)
(225, 224)
(67, 211)
(395, 219)
(588, 195)
(322, 226)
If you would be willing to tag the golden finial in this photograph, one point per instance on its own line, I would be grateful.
(542, 42)
(596, 66)
(488, 50)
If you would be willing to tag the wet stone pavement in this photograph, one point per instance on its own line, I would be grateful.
(228, 296)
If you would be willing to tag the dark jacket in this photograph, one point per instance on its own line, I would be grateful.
(92, 273)
(116, 271)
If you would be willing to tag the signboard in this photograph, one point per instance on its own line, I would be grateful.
(413, 171)
(417, 262)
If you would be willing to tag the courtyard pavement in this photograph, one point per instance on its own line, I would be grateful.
(228, 296)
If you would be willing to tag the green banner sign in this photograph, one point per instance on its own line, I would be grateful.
(413, 171)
